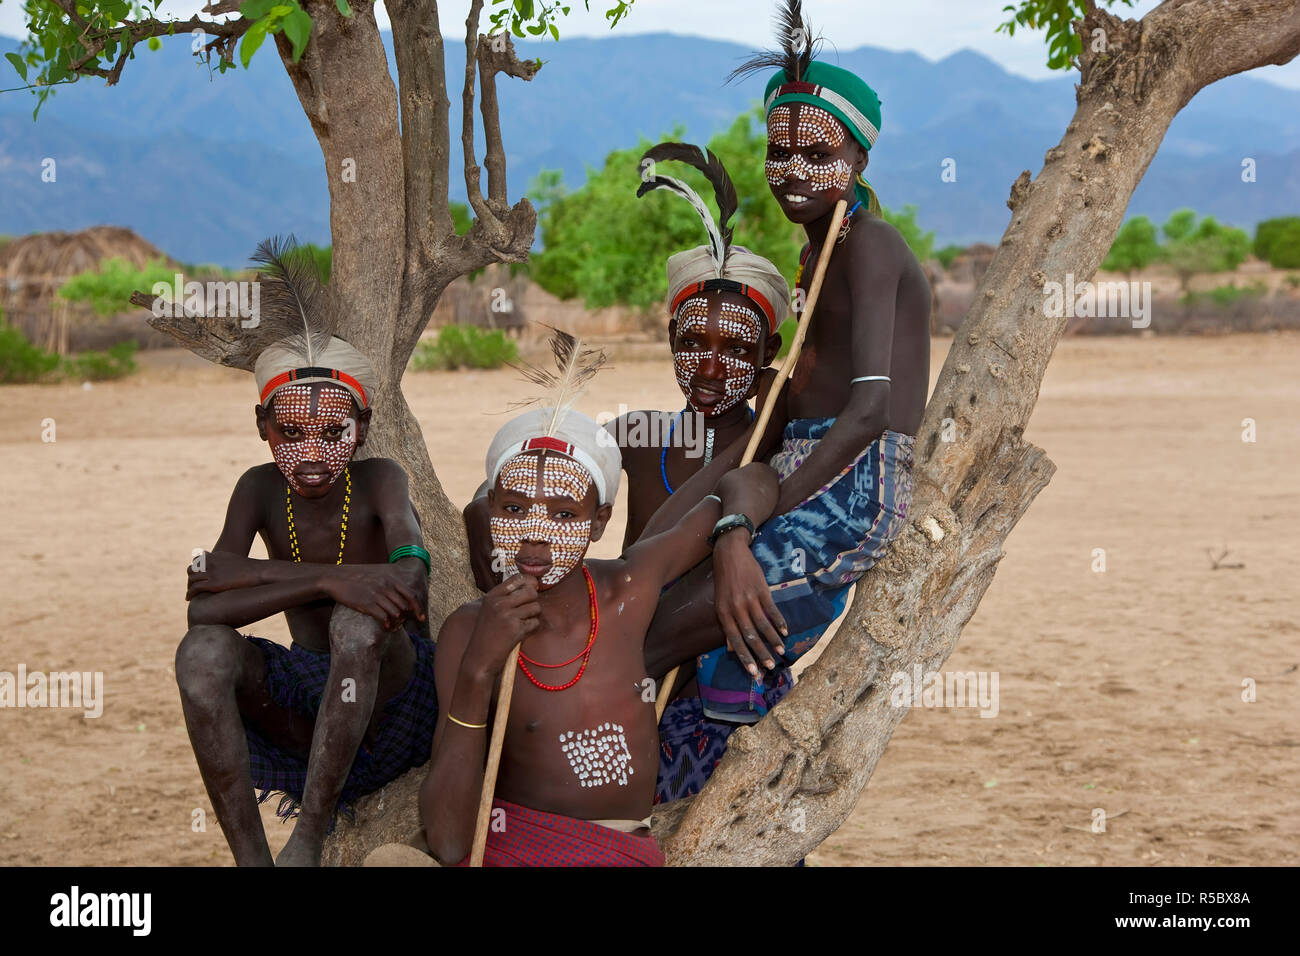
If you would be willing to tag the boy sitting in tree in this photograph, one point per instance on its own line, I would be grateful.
(351, 704)
(577, 773)
(842, 432)
(725, 305)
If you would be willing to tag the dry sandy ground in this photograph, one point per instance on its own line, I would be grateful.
(1119, 690)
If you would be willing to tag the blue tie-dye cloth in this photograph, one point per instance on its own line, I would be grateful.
(813, 553)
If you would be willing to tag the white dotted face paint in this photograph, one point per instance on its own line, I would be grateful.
(815, 126)
(598, 756)
(736, 323)
(568, 540)
(328, 437)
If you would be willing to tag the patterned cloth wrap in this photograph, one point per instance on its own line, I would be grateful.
(295, 679)
(814, 552)
(534, 838)
(690, 744)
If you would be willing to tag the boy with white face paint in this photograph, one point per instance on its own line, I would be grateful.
(577, 772)
(842, 432)
(351, 704)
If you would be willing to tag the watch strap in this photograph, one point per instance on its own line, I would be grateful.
(728, 523)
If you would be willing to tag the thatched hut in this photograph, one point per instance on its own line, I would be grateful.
(33, 268)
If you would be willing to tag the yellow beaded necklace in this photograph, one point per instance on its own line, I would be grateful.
(343, 525)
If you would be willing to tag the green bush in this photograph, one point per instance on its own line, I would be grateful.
(464, 346)
(947, 254)
(107, 289)
(20, 361)
(1293, 280)
(117, 362)
(1277, 242)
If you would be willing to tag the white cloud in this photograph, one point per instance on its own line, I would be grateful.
(932, 28)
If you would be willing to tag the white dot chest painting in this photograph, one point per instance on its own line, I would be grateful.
(598, 756)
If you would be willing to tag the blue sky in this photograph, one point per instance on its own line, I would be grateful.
(932, 28)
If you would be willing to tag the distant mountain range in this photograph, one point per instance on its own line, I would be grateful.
(205, 167)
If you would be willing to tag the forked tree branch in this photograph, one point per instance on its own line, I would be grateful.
(496, 54)
(486, 219)
(426, 139)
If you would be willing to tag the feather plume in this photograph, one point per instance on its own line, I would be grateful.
(797, 45)
(290, 298)
(724, 192)
(575, 365)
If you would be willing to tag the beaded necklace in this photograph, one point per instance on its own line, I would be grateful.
(708, 447)
(585, 653)
(343, 524)
(845, 226)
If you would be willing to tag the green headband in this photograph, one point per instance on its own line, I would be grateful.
(840, 93)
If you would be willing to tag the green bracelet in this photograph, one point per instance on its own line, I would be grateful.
(412, 551)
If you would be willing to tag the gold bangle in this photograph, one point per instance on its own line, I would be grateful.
(463, 724)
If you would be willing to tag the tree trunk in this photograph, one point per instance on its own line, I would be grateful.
(788, 781)
(394, 248)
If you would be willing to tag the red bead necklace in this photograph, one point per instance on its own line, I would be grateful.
(584, 654)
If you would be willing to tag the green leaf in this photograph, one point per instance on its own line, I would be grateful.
(343, 7)
(536, 29)
(255, 9)
(18, 63)
(297, 27)
(555, 32)
(251, 41)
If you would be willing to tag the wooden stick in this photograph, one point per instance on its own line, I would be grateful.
(787, 368)
(494, 759)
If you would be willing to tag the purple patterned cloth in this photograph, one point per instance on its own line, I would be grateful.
(690, 744)
(295, 678)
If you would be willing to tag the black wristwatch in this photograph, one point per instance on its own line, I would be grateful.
(730, 523)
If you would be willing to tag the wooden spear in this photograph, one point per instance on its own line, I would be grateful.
(494, 758)
(787, 368)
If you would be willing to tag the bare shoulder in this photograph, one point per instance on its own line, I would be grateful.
(380, 470)
(458, 626)
(629, 430)
(385, 479)
(612, 577)
(876, 239)
(259, 481)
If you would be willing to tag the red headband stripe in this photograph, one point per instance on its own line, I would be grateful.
(284, 378)
(812, 89)
(554, 444)
(748, 291)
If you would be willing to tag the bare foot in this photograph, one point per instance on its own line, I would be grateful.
(300, 850)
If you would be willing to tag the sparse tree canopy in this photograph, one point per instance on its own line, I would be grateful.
(1202, 246)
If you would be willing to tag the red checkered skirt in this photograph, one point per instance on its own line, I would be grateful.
(523, 837)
